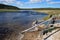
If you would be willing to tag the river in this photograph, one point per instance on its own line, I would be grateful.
(20, 20)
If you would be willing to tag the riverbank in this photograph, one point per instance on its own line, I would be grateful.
(49, 11)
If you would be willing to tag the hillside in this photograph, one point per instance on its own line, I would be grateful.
(3, 6)
(40, 8)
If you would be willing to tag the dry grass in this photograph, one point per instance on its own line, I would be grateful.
(49, 11)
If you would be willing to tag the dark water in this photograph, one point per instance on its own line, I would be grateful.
(20, 20)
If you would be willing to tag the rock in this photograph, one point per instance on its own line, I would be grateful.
(55, 36)
(41, 27)
(56, 25)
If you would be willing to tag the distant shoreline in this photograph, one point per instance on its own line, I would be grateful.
(39, 10)
(8, 10)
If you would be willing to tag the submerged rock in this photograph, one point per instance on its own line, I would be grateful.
(7, 33)
(34, 35)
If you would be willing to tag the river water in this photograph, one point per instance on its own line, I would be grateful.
(20, 20)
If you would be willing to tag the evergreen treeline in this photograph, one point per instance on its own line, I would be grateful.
(3, 6)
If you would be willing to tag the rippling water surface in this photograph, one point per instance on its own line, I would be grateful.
(20, 20)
